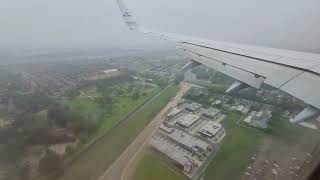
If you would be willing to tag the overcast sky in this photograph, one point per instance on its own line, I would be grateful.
(289, 24)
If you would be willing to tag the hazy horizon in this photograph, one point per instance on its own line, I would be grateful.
(34, 24)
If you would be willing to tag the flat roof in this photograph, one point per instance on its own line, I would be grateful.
(166, 129)
(248, 119)
(193, 106)
(240, 108)
(188, 140)
(170, 150)
(174, 112)
(210, 129)
(211, 112)
(188, 120)
(110, 71)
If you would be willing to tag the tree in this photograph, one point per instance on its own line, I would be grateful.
(72, 93)
(58, 115)
(135, 95)
(49, 163)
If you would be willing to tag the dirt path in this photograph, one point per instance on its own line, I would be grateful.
(124, 166)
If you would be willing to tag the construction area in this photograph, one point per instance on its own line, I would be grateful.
(190, 136)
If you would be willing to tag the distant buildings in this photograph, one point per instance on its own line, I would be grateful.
(5, 123)
(110, 71)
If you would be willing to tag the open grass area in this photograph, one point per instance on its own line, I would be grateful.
(88, 107)
(93, 162)
(153, 167)
(236, 151)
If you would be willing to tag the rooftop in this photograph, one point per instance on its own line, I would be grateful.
(110, 71)
(212, 112)
(174, 112)
(171, 151)
(188, 120)
(193, 106)
(188, 140)
(166, 129)
(210, 129)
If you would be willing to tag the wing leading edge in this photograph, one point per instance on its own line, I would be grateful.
(297, 73)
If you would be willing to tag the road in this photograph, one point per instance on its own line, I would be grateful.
(123, 167)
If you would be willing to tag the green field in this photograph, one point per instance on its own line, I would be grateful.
(235, 153)
(93, 162)
(153, 167)
(86, 105)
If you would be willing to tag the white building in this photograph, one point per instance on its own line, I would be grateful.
(109, 71)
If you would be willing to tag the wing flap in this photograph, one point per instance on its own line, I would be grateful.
(239, 74)
(276, 75)
(305, 87)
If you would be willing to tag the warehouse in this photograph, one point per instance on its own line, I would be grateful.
(193, 107)
(210, 129)
(174, 113)
(188, 120)
(211, 113)
(189, 142)
(180, 158)
(166, 129)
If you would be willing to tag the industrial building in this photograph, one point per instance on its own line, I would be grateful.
(189, 136)
(211, 113)
(188, 120)
(193, 107)
(189, 142)
(259, 119)
(109, 71)
(180, 158)
(210, 129)
(166, 129)
(174, 113)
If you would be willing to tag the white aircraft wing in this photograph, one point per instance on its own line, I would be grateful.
(297, 73)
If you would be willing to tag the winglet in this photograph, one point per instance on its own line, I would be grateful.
(127, 16)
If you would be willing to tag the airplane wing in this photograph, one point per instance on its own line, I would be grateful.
(297, 73)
